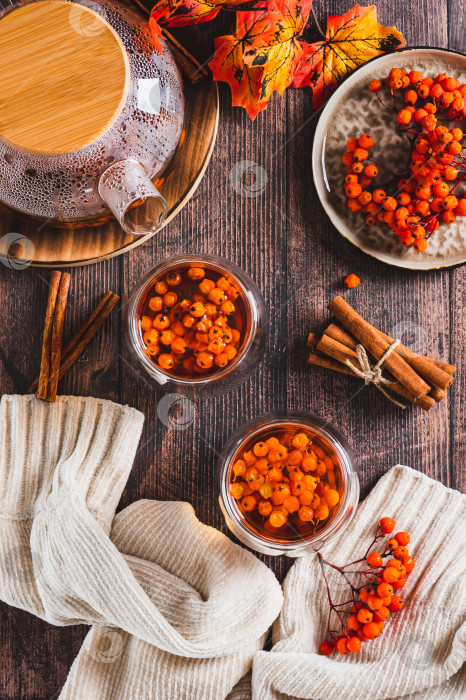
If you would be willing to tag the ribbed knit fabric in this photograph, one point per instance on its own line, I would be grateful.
(421, 653)
(175, 603)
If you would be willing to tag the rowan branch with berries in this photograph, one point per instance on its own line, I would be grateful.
(423, 194)
(371, 603)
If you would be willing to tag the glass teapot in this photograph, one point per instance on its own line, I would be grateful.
(91, 112)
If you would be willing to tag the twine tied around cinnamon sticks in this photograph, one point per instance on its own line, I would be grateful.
(373, 374)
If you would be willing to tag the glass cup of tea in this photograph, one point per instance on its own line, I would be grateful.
(288, 484)
(197, 321)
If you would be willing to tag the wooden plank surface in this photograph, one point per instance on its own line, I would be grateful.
(284, 240)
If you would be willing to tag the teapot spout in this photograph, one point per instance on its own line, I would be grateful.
(132, 198)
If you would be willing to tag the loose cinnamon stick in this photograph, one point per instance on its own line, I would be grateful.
(87, 332)
(340, 353)
(376, 346)
(423, 365)
(75, 347)
(57, 335)
(43, 381)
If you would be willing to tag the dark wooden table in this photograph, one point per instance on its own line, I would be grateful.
(283, 238)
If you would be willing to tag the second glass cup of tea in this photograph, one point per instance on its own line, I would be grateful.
(197, 321)
(288, 484)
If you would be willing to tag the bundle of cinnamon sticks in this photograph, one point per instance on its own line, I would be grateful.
(55, 362)
(418, 379)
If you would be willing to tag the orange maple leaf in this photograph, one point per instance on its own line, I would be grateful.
(264, 53)
(351, 39)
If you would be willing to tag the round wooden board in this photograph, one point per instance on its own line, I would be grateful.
(64, 247)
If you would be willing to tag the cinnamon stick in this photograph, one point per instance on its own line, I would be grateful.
(84, 335)
(376, 346)
(57, 335)
(423, 365)
(43, 381)
(340, 353)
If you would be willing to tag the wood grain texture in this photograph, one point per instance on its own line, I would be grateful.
(65, 77)
(283, 238)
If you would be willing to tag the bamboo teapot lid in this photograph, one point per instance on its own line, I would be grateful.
(64, 77)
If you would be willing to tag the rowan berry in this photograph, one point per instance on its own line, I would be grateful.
(415, 77)
(409, 564)
(326, 648)
(277, 518)
(374, 602)
(341, 646)
(423, 91)
(390, 575)
(401, 552)
(390, 204)
(366, 141)
(448, 216)
(461, 208)
(371, 630)
(382, 614)
(165, 361)
(441, 190)
(374, 560)
(371, 171)
(352, 281)
(422, 208)
(404, 116)
(364, 593)
(352, 144)
(450, 203)
(364, 616)
(375, 85)
(421, 245)
(378, 196)
(429, 122)
(396, 604)
(353, 644)
(360, 154)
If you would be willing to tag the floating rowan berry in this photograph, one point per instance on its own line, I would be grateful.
(277, 518)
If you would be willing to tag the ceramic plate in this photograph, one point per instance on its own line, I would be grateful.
(353, 110)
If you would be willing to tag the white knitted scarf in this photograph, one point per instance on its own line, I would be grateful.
(178, 611)
(174, 603)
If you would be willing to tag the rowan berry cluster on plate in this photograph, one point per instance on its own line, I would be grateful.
(193, 321)
(415, 201)
(374, 602)
(286, 484)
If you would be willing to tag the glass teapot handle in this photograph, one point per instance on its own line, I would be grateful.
(129, 193)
